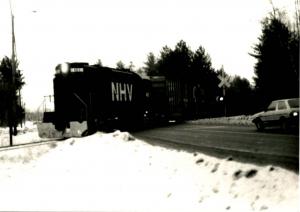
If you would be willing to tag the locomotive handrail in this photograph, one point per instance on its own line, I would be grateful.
(85, 105)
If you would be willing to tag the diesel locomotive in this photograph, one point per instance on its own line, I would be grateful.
(88, 98)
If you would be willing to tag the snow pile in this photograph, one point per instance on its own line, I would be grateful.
(241, 120)
(116, 172)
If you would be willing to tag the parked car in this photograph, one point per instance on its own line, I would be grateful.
(283, 113)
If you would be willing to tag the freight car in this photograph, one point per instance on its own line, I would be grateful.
(89, 98)
(172, 99)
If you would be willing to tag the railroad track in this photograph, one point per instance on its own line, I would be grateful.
(30, 144)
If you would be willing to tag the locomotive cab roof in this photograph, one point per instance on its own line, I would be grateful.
(81, 70)
(74, 67)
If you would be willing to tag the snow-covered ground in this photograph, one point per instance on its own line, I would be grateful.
(26, 133)
(116, 172)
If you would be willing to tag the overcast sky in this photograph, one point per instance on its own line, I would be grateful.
(49, 32)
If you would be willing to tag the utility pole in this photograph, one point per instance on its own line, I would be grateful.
(12, 109)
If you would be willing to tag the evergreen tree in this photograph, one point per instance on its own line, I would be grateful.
(277, 66)
(205, 77)
(175, 63)
(202, 67)
(6, 73)
(8, 92)
(151, 65)
(239, 97)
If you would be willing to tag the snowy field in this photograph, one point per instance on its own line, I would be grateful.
(116, 172)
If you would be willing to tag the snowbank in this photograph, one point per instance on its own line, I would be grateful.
(241, 120)
(116, 172)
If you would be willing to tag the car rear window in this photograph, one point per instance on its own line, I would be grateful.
(294, 103)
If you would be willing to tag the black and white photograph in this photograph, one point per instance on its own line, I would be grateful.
(149, 106)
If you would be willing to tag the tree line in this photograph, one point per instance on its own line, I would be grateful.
(196, 68)
(276, 69)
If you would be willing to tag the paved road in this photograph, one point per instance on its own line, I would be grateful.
(242, 143)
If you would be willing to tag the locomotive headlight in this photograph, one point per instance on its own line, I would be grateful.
(64, 68)
(295, 114)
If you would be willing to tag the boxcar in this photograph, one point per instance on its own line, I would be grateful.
(172, 99)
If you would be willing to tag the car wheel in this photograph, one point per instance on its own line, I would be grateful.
(259, 125)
